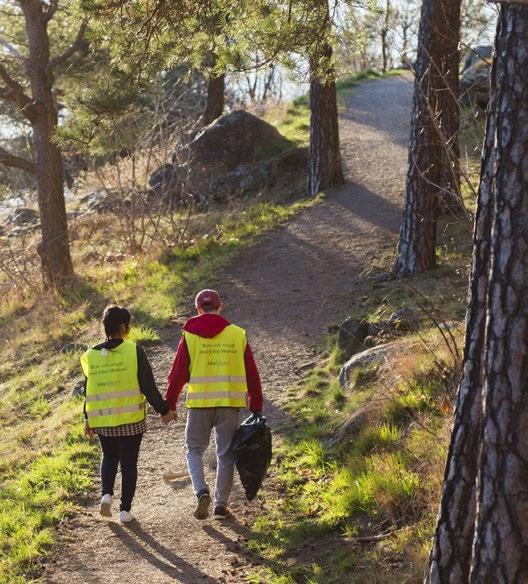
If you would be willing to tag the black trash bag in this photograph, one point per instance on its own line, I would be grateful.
(252, 448)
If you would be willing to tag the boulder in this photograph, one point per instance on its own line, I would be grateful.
(475, 78)
(291, 161)
(352, 333)
(23, 216)
(404, 318)
(165, 182)
(73, 348)
(77, 389)
(245, 179)
(357, 420)
(248, 178)
(100, 201)
(370, 358)
(231, 140)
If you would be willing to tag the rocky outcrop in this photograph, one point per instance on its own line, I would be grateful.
(248, 178)
(222, 161)
(165, 182)
(476, 77)
(23, 216)
(352, 333)
(368, 359)
(234, 139)
(101, 201)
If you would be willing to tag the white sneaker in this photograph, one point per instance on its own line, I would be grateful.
(106, 506)
(126, 516)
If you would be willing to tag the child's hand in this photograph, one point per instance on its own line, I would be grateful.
(169, 416)
(87, 430)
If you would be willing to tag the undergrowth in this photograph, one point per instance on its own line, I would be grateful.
(358, 504)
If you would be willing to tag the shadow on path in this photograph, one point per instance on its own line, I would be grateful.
(139, 541)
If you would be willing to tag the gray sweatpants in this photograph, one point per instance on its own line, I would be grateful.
(200, 422)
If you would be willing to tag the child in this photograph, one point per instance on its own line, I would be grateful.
(118, 380)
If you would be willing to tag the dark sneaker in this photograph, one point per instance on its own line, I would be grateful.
(202, 507)
(221, 512)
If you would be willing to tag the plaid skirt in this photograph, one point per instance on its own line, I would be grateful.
(123, 430)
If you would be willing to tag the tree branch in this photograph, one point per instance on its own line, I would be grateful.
(53, 5)
(74, 47)
(17, 161)
(15, 93)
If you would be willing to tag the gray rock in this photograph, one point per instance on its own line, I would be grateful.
(452, 325)
(23, 216)
(22, 230)
(103, 201)
(78, 389)
(404, 318)
(248, 178)
(369, 341)
(358, 420)
(73, 348)
(165, 182)
(368, 358)
(352, 332)
(292, 160)
(231, 140)
(245, 179)
(475, 80)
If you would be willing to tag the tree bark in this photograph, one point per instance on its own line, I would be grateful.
(450, 557)
(325, 158)
(437, 50)
(501, 532)
(54, 251)
(451, 199)
(384, 37)
(215, 99)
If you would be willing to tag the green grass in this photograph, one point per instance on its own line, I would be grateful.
(41, 494)
(292, 120)
(46, 462)
(384, 477)
(144, 335)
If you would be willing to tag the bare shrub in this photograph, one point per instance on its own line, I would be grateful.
(148, 216)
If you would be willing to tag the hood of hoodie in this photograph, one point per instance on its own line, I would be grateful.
(206, 325)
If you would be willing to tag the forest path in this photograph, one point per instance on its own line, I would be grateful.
(285, 290)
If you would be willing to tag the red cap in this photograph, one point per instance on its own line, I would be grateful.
(208, 299)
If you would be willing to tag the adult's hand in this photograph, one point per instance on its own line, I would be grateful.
(169, 416)
(87, 430)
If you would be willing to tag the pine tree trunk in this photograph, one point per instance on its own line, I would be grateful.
(451, 200)
(437, 43)
(215, 99)
(450, 557)
(325, 158)
(384, 37)
(501, 532)
(54, 250)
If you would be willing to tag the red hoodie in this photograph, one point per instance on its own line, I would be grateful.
(208, 326)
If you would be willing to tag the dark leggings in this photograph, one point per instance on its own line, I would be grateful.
(122, 450)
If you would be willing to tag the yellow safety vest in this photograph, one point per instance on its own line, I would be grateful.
(113, 397)
(218, 370)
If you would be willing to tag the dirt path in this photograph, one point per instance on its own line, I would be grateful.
(285, 290)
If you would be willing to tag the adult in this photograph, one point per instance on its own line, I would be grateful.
(215, 361)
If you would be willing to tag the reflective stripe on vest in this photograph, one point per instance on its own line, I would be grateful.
(113, 396)
(114, 411)
(219, 379)
(217, 370)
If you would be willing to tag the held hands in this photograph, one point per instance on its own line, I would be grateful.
(169, 417)
(87, 430)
